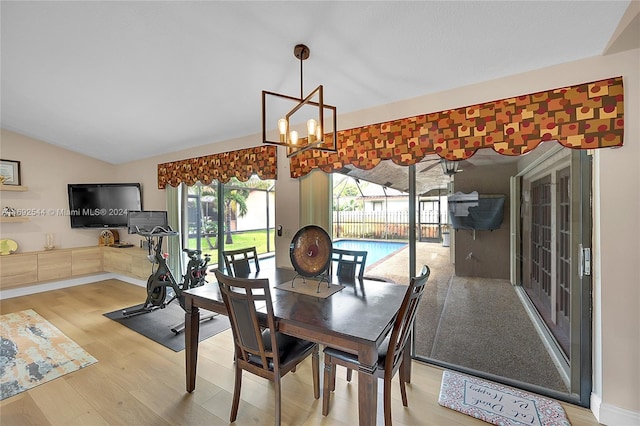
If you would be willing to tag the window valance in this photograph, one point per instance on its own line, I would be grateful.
(585, 116)
(241, 164)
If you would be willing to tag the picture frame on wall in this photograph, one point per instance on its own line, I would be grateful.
(10, 172)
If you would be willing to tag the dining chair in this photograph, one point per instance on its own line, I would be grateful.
(259, 348)
(390, 354)
(237, 262)
(349, 261)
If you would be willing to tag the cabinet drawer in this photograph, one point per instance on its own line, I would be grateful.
(16, 270)
(118, 262)
(54, 265)
(86, 261)
(141, 268)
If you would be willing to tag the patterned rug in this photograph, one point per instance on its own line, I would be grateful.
(498, 404)
(34, 352)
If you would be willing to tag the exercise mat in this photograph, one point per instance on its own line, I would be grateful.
(157, 325)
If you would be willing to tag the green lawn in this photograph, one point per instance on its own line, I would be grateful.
(240, 240)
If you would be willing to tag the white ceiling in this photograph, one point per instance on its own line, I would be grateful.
(122, 81)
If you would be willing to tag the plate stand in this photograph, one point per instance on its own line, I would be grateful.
(321, 278)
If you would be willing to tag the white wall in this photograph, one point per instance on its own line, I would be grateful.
(616, 392)
(47, 170)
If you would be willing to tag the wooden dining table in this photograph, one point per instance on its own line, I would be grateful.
(356, 319)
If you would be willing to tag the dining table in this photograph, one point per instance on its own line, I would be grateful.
(355, 319)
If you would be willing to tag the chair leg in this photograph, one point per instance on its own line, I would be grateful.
(326, 388)
(332, 381)
(276, 383)
(387, 401)
(236, 394)
(315, 364)
(403, 388)
(349, 373)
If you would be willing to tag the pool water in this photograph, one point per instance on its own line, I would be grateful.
(376, 250)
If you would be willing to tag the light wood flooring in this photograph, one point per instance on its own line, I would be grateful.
(139, 382)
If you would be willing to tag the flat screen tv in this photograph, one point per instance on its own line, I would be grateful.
(102, 205)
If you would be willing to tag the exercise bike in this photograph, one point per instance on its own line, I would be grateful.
(162, 282)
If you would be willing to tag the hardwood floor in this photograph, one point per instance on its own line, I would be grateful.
(139, 382)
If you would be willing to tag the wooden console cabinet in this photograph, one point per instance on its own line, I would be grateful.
(132, 262)
(54, 264)
(21, 269)
(86, 260)
(18, 269)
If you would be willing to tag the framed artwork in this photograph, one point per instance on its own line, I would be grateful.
(9, 172)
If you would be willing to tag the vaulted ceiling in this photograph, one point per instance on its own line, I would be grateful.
(122, 81)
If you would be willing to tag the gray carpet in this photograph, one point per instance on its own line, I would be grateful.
(157, 325)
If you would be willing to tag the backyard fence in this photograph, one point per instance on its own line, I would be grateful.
(381, 225)
(371, 224)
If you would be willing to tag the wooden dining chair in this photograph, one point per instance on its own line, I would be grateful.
(348, 262)
(237, 262)
(390, 353)
(259, 348)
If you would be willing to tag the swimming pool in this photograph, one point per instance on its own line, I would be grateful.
(376, 250)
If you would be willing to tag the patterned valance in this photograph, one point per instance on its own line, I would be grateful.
(585, 116)
(220, 167)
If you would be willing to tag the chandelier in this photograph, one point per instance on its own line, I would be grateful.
(300, 123)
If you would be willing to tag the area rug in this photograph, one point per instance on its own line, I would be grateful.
(157, 325)
(498, 404)
(33, 351)
(310, 287)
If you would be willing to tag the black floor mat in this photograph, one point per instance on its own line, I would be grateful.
(157, 325)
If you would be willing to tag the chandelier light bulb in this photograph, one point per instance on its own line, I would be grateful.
(282, 128)
(311, 129)
(294, 137)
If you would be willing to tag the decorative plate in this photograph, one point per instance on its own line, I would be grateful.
(7, 246)
(310, 251)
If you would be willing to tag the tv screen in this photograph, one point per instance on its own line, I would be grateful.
(145, 221)
(103, 205)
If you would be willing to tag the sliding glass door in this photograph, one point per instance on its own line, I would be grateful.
(243, 217)
(554, 249)
(508, 303)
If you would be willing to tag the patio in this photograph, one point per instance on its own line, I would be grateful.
(475, 323)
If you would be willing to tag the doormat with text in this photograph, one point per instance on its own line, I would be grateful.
(498, 404)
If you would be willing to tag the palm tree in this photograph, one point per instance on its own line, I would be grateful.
(234, 200)
(235, 204)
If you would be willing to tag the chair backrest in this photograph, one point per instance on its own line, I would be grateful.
(240, 297)
(405, 318)
(237, 263)
(348, 262)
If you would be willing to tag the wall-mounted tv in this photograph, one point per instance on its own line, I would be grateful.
(102, 205)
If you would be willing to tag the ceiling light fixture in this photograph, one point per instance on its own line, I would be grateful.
(449, 168)
(292, 117)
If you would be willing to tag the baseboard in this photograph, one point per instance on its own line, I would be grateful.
(136, 281)
(611, 415)
(57, 285)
